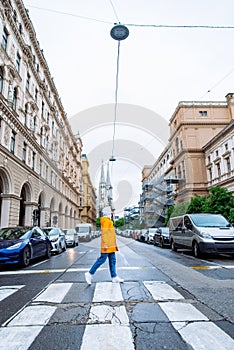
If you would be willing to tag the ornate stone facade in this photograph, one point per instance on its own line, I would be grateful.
(40, 158)
(88, 213)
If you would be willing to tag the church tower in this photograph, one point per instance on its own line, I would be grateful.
(105, 196)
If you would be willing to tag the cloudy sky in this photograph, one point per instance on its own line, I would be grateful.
(158, 67)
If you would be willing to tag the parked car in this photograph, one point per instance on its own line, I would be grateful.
(71, 237)
(161, 237)
(149, 236)
(57, 239)
(202, 233)
(84, 232)
(19, 245)
(142, 235)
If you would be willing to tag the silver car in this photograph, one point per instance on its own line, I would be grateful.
(57, 239)
(71, 237)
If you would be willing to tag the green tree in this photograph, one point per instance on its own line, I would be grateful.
(197, 204)
(218, 201)
(119, 222)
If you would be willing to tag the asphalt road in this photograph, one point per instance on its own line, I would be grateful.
(169, 300)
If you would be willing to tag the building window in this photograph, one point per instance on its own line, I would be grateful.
(33, 160)
(25, 114)
(226, 147)
(228, 162)
(18, 59)
(203, 113)
(42, 108)
(24, 152)
(41, 167)
(218, 169)
(1, 79)
(12, 145)
(210, 173)
(217, 153)
(208, 159)
(14, 98)
(36, 94)
(4, 38)
(28, 81)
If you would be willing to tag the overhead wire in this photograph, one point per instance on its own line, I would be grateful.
(113, 7)
(132, 24)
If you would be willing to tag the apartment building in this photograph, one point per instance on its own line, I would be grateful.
(199, 154)
(88, 213)
(40, 158)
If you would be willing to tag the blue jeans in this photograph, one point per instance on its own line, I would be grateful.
(101, 260)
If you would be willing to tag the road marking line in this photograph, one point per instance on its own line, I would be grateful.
(18, 338)
(37, 315)
(107, 291)
(82, 269)
(162, 291)
(106, 337)
(206, 335)
(205, 267)
(108, 315)
(179, 312)
(6, 291)
(54, 293)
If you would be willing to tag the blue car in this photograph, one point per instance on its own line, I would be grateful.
(19, 245)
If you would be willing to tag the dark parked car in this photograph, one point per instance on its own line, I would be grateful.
(19, 245)
(161, 237)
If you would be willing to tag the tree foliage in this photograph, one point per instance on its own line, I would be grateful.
(218, 201)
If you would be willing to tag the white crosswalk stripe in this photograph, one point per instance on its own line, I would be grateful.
(108, 324)
(6, 291)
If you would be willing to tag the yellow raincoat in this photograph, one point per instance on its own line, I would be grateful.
(108, 237)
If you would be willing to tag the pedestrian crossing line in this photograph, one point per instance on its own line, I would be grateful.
(205, 335)
(18, 338)
(54, 293)
(179, 311)
(162, 291)
(108, 326)
(107, 291)
(106, 337)
(6, 291)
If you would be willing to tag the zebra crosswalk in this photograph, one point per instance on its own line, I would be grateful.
(110, 318)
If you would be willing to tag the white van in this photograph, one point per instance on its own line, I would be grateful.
(202, 233)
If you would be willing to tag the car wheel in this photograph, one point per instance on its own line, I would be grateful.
(196, 251)
(25, 260)
(173, 246)
(48, 251)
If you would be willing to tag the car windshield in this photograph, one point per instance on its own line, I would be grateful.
(69, 232)
(209, 220)
(14, 233)
(83, 229)
(53, 232)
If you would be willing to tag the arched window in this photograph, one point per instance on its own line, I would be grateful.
(1, 79)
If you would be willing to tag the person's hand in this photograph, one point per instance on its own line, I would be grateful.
(105, 248)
